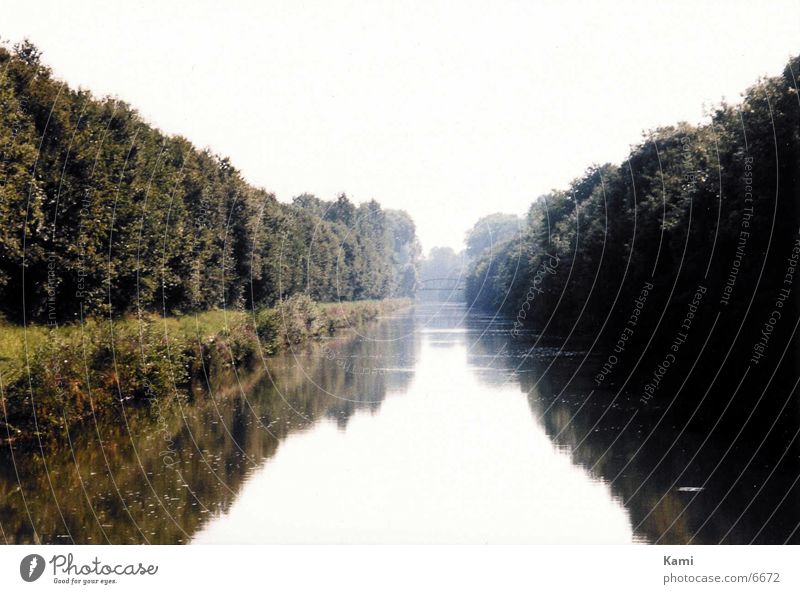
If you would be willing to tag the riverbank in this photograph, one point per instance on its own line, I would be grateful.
(78, 370)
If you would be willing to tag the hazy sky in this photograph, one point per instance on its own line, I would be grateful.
(450, 110)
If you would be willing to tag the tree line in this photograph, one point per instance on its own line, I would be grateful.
(710, 208)
(104, 214)
(443, 272)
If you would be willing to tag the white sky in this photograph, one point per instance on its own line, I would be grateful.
(449, 109)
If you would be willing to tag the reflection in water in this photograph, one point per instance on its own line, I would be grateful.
(431, 427)
(120, 481)
(686, 475)
(445, 461)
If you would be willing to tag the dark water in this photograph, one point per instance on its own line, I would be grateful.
(429, 426)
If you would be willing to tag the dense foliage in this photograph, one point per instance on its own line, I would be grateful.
(491, 231)
(103, 214)
(711, 206)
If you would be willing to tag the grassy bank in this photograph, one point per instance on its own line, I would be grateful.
(52, 378)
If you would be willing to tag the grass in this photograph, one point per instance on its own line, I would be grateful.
(16, 340)
(65, 373)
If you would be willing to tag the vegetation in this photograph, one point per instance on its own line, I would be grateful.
(712, 206)
(77, 370)
(442, 274)
(492, 231)
(132, 263)
(195, 452)
(105, 215)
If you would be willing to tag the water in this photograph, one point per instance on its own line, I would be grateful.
(429, 426)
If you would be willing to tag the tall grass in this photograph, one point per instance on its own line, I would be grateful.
(54, 377)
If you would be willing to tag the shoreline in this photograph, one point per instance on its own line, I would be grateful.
(53, 378)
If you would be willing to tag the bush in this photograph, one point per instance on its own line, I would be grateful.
(57, 380)
(268, 329)
(75, 370)
(138, 358)
(294, 321)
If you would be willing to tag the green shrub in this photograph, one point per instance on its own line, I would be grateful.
(300, 320)
(74, 370)
(268, 329)
(53, 388)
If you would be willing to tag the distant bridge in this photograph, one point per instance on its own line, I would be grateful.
(441, 284)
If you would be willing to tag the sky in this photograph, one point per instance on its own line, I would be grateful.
(451, 110)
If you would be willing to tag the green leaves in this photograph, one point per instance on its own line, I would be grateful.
(102, 214)
(671, 213)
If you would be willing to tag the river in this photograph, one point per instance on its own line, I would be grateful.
(431, 425)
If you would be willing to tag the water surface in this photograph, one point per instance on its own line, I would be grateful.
(432, 425)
